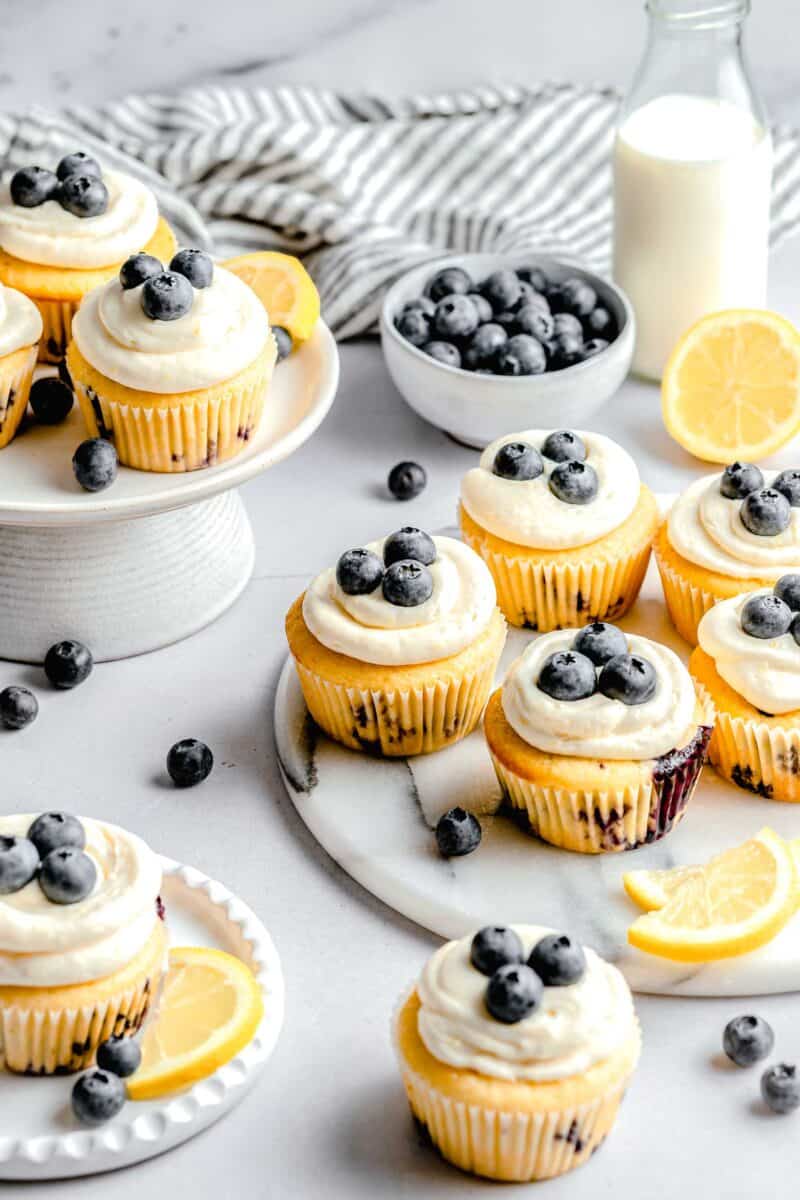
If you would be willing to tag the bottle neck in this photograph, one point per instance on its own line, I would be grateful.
(697, 16)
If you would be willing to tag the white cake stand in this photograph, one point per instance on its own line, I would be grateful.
(155, 557)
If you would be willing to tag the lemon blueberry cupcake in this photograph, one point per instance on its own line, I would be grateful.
(563, 523)
(748, 664)
(64, 232)
(20, 331)
(516, 1047)
(597, 738)
(82, 945)
(397, 646)
(172, 364)
(727, 534)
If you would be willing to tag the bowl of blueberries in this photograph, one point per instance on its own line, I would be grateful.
(478, 344)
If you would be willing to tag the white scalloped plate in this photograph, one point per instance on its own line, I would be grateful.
(39, 1137)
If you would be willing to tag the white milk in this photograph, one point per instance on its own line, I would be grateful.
(691, 217)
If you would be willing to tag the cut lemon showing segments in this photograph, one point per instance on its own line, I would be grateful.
(739, 901)
(283, 286)
(731, 388)
(210, 1008)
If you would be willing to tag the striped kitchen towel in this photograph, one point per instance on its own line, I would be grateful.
(364, 188)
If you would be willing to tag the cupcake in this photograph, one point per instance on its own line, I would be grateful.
(172, 365)
(727, 534)
(516, 1047)
(63, 233)
(82, 945)
(397, 646)
(563, 524)
(20, 331)
(597, 738)
(748, 664)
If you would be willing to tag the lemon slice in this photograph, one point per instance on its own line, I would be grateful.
(651, 890)
(735, 904)
(210, 1008)
(731, 388)
(283, 286)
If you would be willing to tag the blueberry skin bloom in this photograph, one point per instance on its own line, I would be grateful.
(458, 832)
(189, 762)
(451, 279)
(495, 946)
(31, 186)
(167, 297)
(414, 325)
(456, 317)
(601, 642)
(407, 480)
(521, 355)
(407, 584)
(443, 352)
(195, 265)
(359, 572)
(519, 461)
(558, 960)
(18, 707)
(486, 342)
(739, 479)
(120, 1056)
(747, 1039)
(788, 590)
(766, 617)
(780, 1088)
(83, 195)
(19, 862)
(409, 542)
(97, 1097)
(575, 296)
(67, 875)
(95, 464)
(514, 992)
(567, 675)
(788, 483)
(574, 482)
(628, 678)
(55, 829)
(563, 445)
(79, 163)
(137, 269)
(766, 512)
(502, 290)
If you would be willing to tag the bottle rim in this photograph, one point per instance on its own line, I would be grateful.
(697, 14)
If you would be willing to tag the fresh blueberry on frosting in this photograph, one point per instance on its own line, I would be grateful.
(194, 265)
(788, 590)
(407, 583)
(601, 642)
(31, 186)
(574, 482)
(67, 875)
(518, 460)
(558, 960)
(628, 678)
(567, 675)
(19, 862)
(514, 992)
(409, 542)
(167, 296)
(83, 196)
(495, 946)
(359, 572)
(766, 512)
(766, 617)
(739, 479)
(137, 269)
(78, 163)
(52, 830)
(564, 446)
(788, 483)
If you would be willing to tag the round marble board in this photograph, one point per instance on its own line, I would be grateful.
(375, 818)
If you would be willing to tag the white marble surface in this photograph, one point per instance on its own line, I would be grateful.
(329, 1118)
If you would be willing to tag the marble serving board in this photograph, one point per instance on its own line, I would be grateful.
(375, 817)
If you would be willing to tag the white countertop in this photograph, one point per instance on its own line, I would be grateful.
(329, 1119)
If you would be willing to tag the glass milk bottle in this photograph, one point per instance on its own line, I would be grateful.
(692, 171)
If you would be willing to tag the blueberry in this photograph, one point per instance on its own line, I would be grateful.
(422, 304)
(284, 342)
(409, 542)
(67, 664)
(447, 281)
(18, 707)
(600, 323)
(535, 276)
(458, 833)
(137, 269)
(189, 762)
(121, 1056)
(594, 346)
(19, 862)
(780, 1088)
(514, 992)
(194, 265)
(564, 349)
(564, 446)
(788, 589)
(628, 678)
(359, 572)
(67, 875)
(414, 325)
(456, 317)
(31, 186)
(482, 307)
(564, 322)
(51, 400)
(517, 460)
(526, 295)
(486, 342)
(506, 320)
(495, 946)
(567, 675)
(53, 830)
(535, 321)
(407, 583)
(747, 1040)
(558, 960)
(766, 617)
(406, 480)
(83, 195)
(575, 296)
(739, 479)
(574, 482)
(600, 642)
(501, 289)
(788, 483)
(167, 297)
(766, 512)
(522, 355)
(95, 464)
(79, 163)
(443, 352)
(97, 1097)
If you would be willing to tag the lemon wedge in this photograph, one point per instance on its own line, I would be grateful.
(283, 286)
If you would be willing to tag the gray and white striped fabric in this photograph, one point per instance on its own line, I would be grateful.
(363, 188)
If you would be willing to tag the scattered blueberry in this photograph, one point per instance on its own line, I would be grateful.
(97, 1097)
(521, 355)
(628, 678)
(747, 1040)
(535, 276)
(67, 875)
(406, 480)
(447, 281)
(18, 707)
(600, 642)
(78, 163)
(482, 307)
(766, 512)
(31, 186)
(495, 946)
(422, 304)
(414, 325)
(53, 830)
(51, 400)
(594, 346)
(458, 832)
(574, 482)
(517, 460)
(514, 992)
(68, 664)
(407, 583)
(557, 960)
(95, 464)
(83, 195)
(189, 762)
(788, 589)
(599, 323)
(766, 617)
(456, 317)
(739, 479)
(283, 340)
(575, 296)
(443, 352)
(122, 1056)
(167, 297)
(194, 265)
(567, 675)
(564, 322)
(19, 862)
(501, 289)
(780, 1088)
(137, 269)
(486, 342)
(535, 321)
(409, 542)
(359, 572)
(564, 446)
(788, 483)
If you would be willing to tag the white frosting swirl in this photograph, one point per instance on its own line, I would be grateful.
(705, 527)
(224, 331)
(20, 321)
(49, 945)
(528, 513)
(573, 1028)
(598, 727)
(766, 671)
(53, 237)
(372, 630)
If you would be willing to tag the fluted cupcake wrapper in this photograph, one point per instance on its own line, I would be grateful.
(57, 327)
(16, 374)
(756, 756)
(686, 603)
